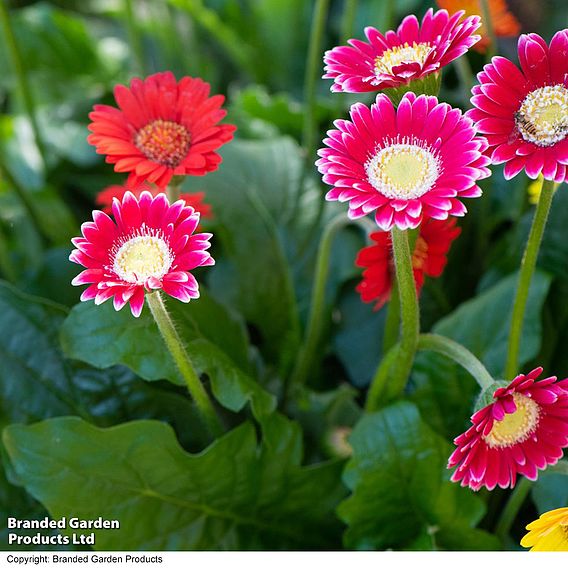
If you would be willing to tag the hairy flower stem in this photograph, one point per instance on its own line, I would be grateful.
(409, 312)
(314, 328)
(458, 353)
(179, 354)
(22, 78)
(392, 322)
(405, 349)
(525, 276)
(512, 507)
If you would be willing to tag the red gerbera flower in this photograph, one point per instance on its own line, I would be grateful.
(406, 164)
(195, 200)
(429, 258)
(523, 431)
(397, 58)
(524, 113)
(162, 128)
(149, 246)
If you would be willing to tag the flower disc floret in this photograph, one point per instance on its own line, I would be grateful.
(403, 171)
(406, 164)
(524, 112)
(524, 430)
(413, 52)
(161, 128)
(150, 245)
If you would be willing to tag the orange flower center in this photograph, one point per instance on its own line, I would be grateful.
(164, 142)
(517, 426)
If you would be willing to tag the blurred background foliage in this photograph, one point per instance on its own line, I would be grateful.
(266, 199)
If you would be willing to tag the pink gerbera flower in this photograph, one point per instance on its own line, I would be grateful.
(429, 258)
(106, 197)
(413, 52)
(522, 431)
(162, 128)
(407, 164)
(149, 246)
(524, 113)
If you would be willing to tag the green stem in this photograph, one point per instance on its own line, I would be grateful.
(379, 382)
(173, 191)
(409, 312)
(27, 201)
(457, 353)
(307, 353)
(512, 508)
(179, 354)
(392, 322)
(466, 78)
(489, 30)
(313, 73)
(7, 268)
(134, 37)
(22, 78)
(525, 276)
(348, 20)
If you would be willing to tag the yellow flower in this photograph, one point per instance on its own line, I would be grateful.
(549, 532)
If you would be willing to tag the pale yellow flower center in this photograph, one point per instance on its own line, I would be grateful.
(417, 52)
(517, 426)
(403, 171)
(164, 142)
(142, 257)
(543, 116)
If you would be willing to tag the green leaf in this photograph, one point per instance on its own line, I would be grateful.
(550, 491)
(233, 495)
(257, 182)
(482, 324)
(400, 485)
(35, 382)
(103, 337)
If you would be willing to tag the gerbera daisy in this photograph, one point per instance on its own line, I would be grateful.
(524, 113)
(549, 532)
(195, 200)
(406, 164)
(428, 259)
(413, 52)
(162, 128)
(503, 21)
(149, 246)
(522, 431)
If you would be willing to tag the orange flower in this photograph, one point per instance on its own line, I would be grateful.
(503, 21)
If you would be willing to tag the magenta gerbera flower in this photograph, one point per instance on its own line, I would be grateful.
(407, 164)
(151, 245)
(397, 58)
(522, 431)
(524, 113)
